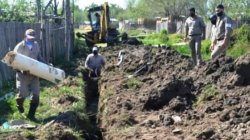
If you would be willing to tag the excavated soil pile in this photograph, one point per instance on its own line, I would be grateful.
(156, 93)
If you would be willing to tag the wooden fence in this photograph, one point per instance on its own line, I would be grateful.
(11, 33)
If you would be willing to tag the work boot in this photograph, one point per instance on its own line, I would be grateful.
(32, 111)
(19, 104)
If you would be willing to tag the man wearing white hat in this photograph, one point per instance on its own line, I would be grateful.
(26, 83)
(94, 62)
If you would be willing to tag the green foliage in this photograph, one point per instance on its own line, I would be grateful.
(177, 8)
(133, 83)
(239, 49)
(20, 10)
(208, 92)
(241, 34)
(156, 38)
(115, 11)
(240, 42)
(175, 38)
(133, 32)
(172, 39)
(183, 50)
(205, 49)
(79, 15)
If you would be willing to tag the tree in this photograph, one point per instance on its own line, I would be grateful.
(79, 15)
(115, 10)
(68, 30)
(20, 10)
(177, 8)
(174, 8)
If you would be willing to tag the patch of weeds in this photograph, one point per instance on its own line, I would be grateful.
(175, 38)
(157, 38)
(108, 92)
(126, 120)
(65, 90)
(208, 92)
(240, 42)
(133, 32)
(125, 130)
(238, 50)
(205, 49)
(28, 134)
(154, 51)
(133, 83)
(183, 50)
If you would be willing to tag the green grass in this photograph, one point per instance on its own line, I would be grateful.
(49, 96)
(175, 38)
(238, 50)
(185, 50)
(239, 46)
(208, 92)
(156, 38)
(48, 107)
(133, 32)
(170, 39)
(133, 83)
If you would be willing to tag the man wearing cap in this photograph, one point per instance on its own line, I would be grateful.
(195, 32)
(26, 83)
(94, 63)
(223, 30)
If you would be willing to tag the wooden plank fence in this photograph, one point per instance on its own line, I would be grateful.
(12, 33)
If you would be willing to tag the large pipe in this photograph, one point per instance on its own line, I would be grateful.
(23, 63)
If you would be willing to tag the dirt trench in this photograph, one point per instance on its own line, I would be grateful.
(156, 93)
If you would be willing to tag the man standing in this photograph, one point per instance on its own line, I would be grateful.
(25, 82)
(222, 34)
(94, 63)
(195, 32)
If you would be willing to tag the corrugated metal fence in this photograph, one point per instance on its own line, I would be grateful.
(11, 33)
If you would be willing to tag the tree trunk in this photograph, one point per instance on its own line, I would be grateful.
(39, 7)
(68, 37)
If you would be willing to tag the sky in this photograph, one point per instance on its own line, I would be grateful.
(84, 3)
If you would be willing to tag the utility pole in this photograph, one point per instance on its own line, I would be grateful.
(68, 38)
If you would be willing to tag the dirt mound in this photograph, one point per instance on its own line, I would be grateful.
(242, 66)
(56, 131)
(15, 137)
(156, 93)
(174, 93)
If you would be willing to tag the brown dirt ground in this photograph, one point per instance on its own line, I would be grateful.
(147, 105)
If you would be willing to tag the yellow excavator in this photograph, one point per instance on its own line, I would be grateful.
(100, 29)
